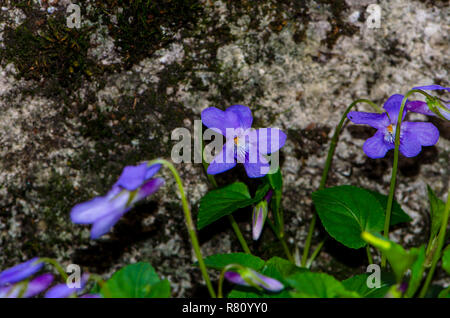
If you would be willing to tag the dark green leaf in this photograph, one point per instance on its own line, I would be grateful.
(446, 259)
(275, 267)
(136, 281)
(437, 207)
(224, 201)
(358, 284)
(219, 261)
(397, 213)
(417, 270)
(347, 211)
(276, 180)
(318, 285)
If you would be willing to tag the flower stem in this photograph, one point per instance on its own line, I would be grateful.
(316, 252)
(440, 244)
(394, 169)
(239, 235)
(326, 168)
(233, 222)
(189, 223)
(282, 240)
(369, 254)
(56, 265)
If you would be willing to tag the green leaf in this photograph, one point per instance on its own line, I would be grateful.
(446, 259)
(437, 207)
(445, 293)
(276, 267)
(136, 281)
(318, 285)
(358, 284)
(417, 269)
(399, 259)
(347, 211)
(280, 269)
(276, 180)
(224, 201)
(397, 213)
(219, 261)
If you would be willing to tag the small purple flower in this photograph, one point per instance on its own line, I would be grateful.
(64, 291)
(20, 272)
(134, 184)
(413, 135)
(243, 144)
(249, 277)
(259, 215)
(421, 107)
(26, 290)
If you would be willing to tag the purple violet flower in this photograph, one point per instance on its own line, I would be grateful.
(422, 107)
(259, 215)
(134, 184)
(64, 291)
(243, 144)
(249, 277)
(20, 272)
(26, 290)
(413, 135)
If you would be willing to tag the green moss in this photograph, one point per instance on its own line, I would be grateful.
(145, 26)
(44, 47)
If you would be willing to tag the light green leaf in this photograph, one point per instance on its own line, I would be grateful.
(224, 201)
(347, 211)
(399, 259)
(219, 261)
(136, 281)
(318, 285)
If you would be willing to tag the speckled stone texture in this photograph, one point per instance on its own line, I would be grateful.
(78, 105)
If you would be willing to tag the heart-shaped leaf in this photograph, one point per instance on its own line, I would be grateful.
(136, 281)
(347, 211)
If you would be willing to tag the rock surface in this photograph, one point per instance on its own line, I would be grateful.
(76, 105)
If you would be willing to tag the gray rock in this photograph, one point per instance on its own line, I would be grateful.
(109, 95)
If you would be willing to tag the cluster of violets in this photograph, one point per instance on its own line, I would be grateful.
(15, 282)
(243, 145)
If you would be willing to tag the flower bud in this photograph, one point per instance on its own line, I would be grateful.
(260, 212)
(247, 277)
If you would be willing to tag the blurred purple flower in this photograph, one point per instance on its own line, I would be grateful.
(243, 144)
(249, 277)
(134, 184)
(259, 215)
(20, 272)
(413, 135)
(26, 290)
(64, 291)
(421, 107)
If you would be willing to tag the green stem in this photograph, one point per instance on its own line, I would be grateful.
(56, 265)
(440, 244)
(189, 223)
(369, 254)
(316, 252)
(394, 169)
(328, 161)
(280, 237)
(233, 222)
(239, 235)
